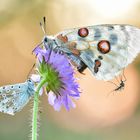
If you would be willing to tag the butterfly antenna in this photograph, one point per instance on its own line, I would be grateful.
(42, 27)
(44, 22)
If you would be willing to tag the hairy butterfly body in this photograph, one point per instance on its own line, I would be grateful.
(105, 49)
(14, 97)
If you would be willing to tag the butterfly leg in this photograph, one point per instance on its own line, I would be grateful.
(30, 70)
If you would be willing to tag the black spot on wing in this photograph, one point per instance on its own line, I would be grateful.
(122, 27)
(110, 28)
(100, 57)
(81, 67)
(97, 34)
(113, 38)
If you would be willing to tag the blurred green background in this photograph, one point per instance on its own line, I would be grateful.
(96, 116)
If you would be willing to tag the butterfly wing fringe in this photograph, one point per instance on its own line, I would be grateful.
(133, 43)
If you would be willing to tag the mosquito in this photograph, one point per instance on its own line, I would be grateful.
(121, 82)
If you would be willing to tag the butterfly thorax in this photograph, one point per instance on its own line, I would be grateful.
(62, 46)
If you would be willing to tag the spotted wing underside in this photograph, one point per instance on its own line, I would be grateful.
(124, 41)
(14, 97)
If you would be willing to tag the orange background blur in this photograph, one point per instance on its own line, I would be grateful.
(116, 117)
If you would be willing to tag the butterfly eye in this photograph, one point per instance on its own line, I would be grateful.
(29, 80)
(104, 46)
(83, 32)
(45, 39)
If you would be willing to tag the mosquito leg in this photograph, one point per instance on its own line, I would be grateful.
(124, 76)
(113, 83)
(113, 91)
(120, 77)
(117, 79)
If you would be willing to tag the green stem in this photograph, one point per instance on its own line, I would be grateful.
(35, 109)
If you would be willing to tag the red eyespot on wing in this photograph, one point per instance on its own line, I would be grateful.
(97, 63)
(83, 32)
(103, 46)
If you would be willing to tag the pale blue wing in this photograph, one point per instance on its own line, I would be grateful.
(14, 97)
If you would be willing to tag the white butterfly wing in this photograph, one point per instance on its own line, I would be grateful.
(133, 43)
(14, 97)
(124, 46)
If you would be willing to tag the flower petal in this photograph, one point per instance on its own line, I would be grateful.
(51, 98)
(57, 106)
(35, 77)
(67, 87)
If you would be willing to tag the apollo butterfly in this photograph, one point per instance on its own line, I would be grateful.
(104, 49)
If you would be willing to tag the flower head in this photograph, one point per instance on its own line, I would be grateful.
(61, 84)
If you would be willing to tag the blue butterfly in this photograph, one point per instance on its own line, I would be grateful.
(14, 97)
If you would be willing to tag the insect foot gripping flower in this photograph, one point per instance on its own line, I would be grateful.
(61, 84)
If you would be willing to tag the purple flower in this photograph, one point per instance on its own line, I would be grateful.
(61, 85)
